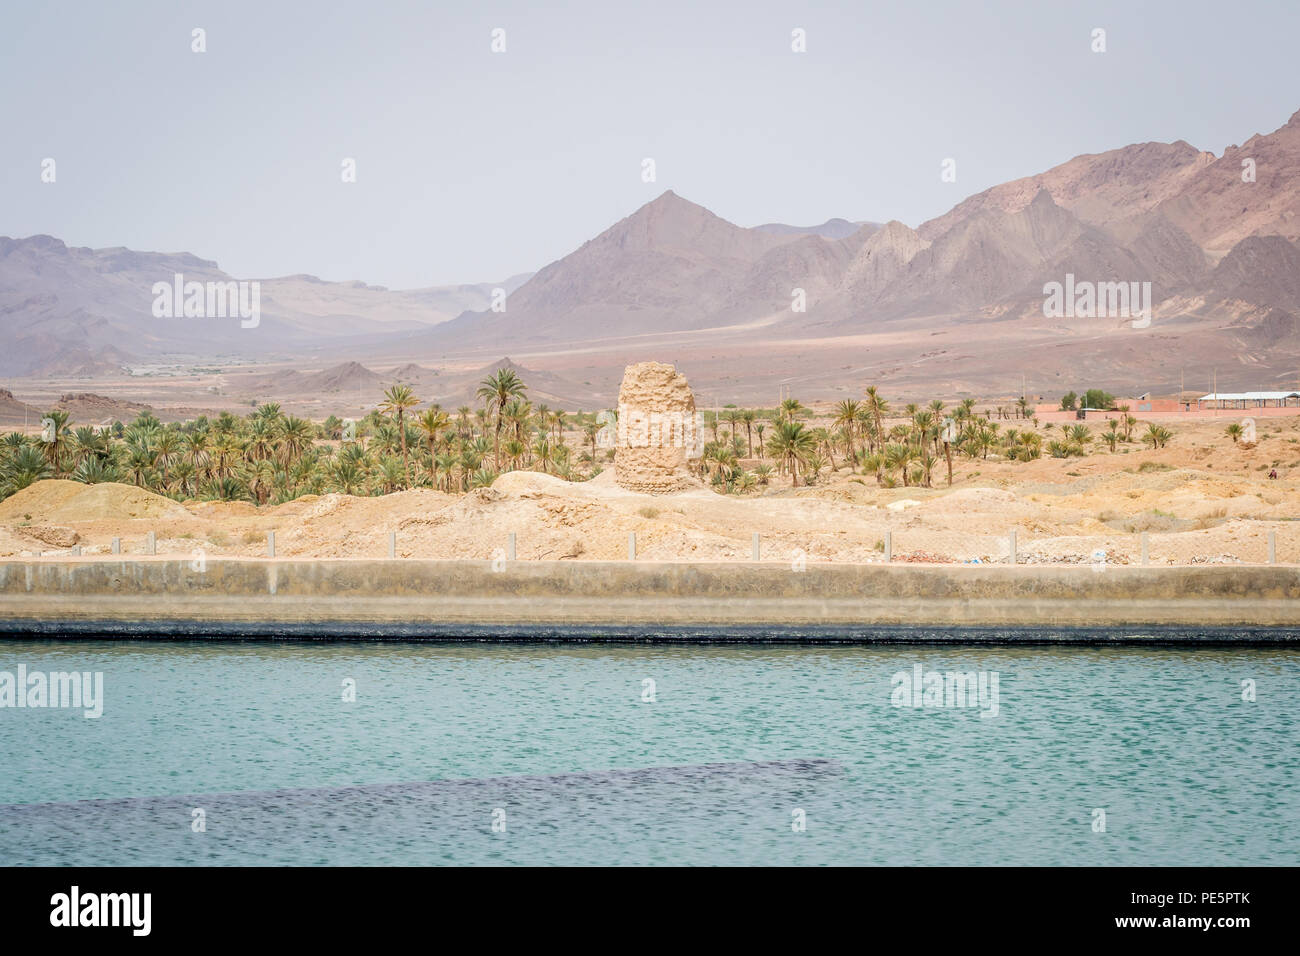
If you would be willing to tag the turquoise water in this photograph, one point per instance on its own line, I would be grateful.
(737, 740)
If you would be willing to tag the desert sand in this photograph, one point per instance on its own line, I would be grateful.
(1201, 499)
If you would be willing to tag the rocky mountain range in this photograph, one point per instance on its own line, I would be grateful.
(1217, 239)
(77, 312)
(1167, 214)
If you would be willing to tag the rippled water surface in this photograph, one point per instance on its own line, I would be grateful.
(556, 745)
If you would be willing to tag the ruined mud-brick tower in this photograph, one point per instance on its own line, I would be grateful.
(657, 430)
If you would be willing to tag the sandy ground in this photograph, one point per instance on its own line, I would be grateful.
(1201, 500)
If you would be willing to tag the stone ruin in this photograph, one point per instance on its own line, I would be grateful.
(659, 431)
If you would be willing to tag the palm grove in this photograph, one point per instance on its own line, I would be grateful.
(268, 456)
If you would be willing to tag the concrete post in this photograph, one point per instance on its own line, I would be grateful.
(1012, 543)
(1146, 554)
(889, 546)
(117, 545)
(392, 544)
(151, 543)
(756, 551)
(510, 549)
(1272, 547)
(270, 544)
(631, 545)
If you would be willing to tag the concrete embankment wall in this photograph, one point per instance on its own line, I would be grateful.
(636, 599)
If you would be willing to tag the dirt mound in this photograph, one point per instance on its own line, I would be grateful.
(529, 483)
(53, 535)
(966, 500)
(63, 502)
(14, 411)
(88, 408)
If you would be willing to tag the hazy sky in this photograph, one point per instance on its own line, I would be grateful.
(473, 165)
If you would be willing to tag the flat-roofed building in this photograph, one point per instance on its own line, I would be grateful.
(1249, 400)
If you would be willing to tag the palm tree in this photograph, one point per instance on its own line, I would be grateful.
(1079, 434)
(397, 400)
(877, 406)
(791, 408)
(347, 477)
(791, 443)
(94, 470)
(1157, 436)
(544, 452)
(196, 451)
(846, 416)
(24, 467)
(54, 435)
(294, 438)
(446, 465)
(432, 422)
(166, 453)
(748, 416)
(733, 419)
(495, 391)
(872, 461)
(1129, 423)
(897, 456)
(86, 443)
(516, 415)
(514, 450)
(922, 423)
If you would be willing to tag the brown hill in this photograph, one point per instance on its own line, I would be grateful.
(412, 374)
(15, 412)
(543, 388)
(1099, 188)
(87, 408)
(670, 265)
(1217, 209)
(1261, 270)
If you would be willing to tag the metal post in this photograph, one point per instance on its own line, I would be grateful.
(1272, 547)
(756, 546)
(392, 544)
(151, 544)
(1146, 554)
(117, 545)
(510, 551)
(889, 546)
(631, 545)
(270, 544)
(1012, 542)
